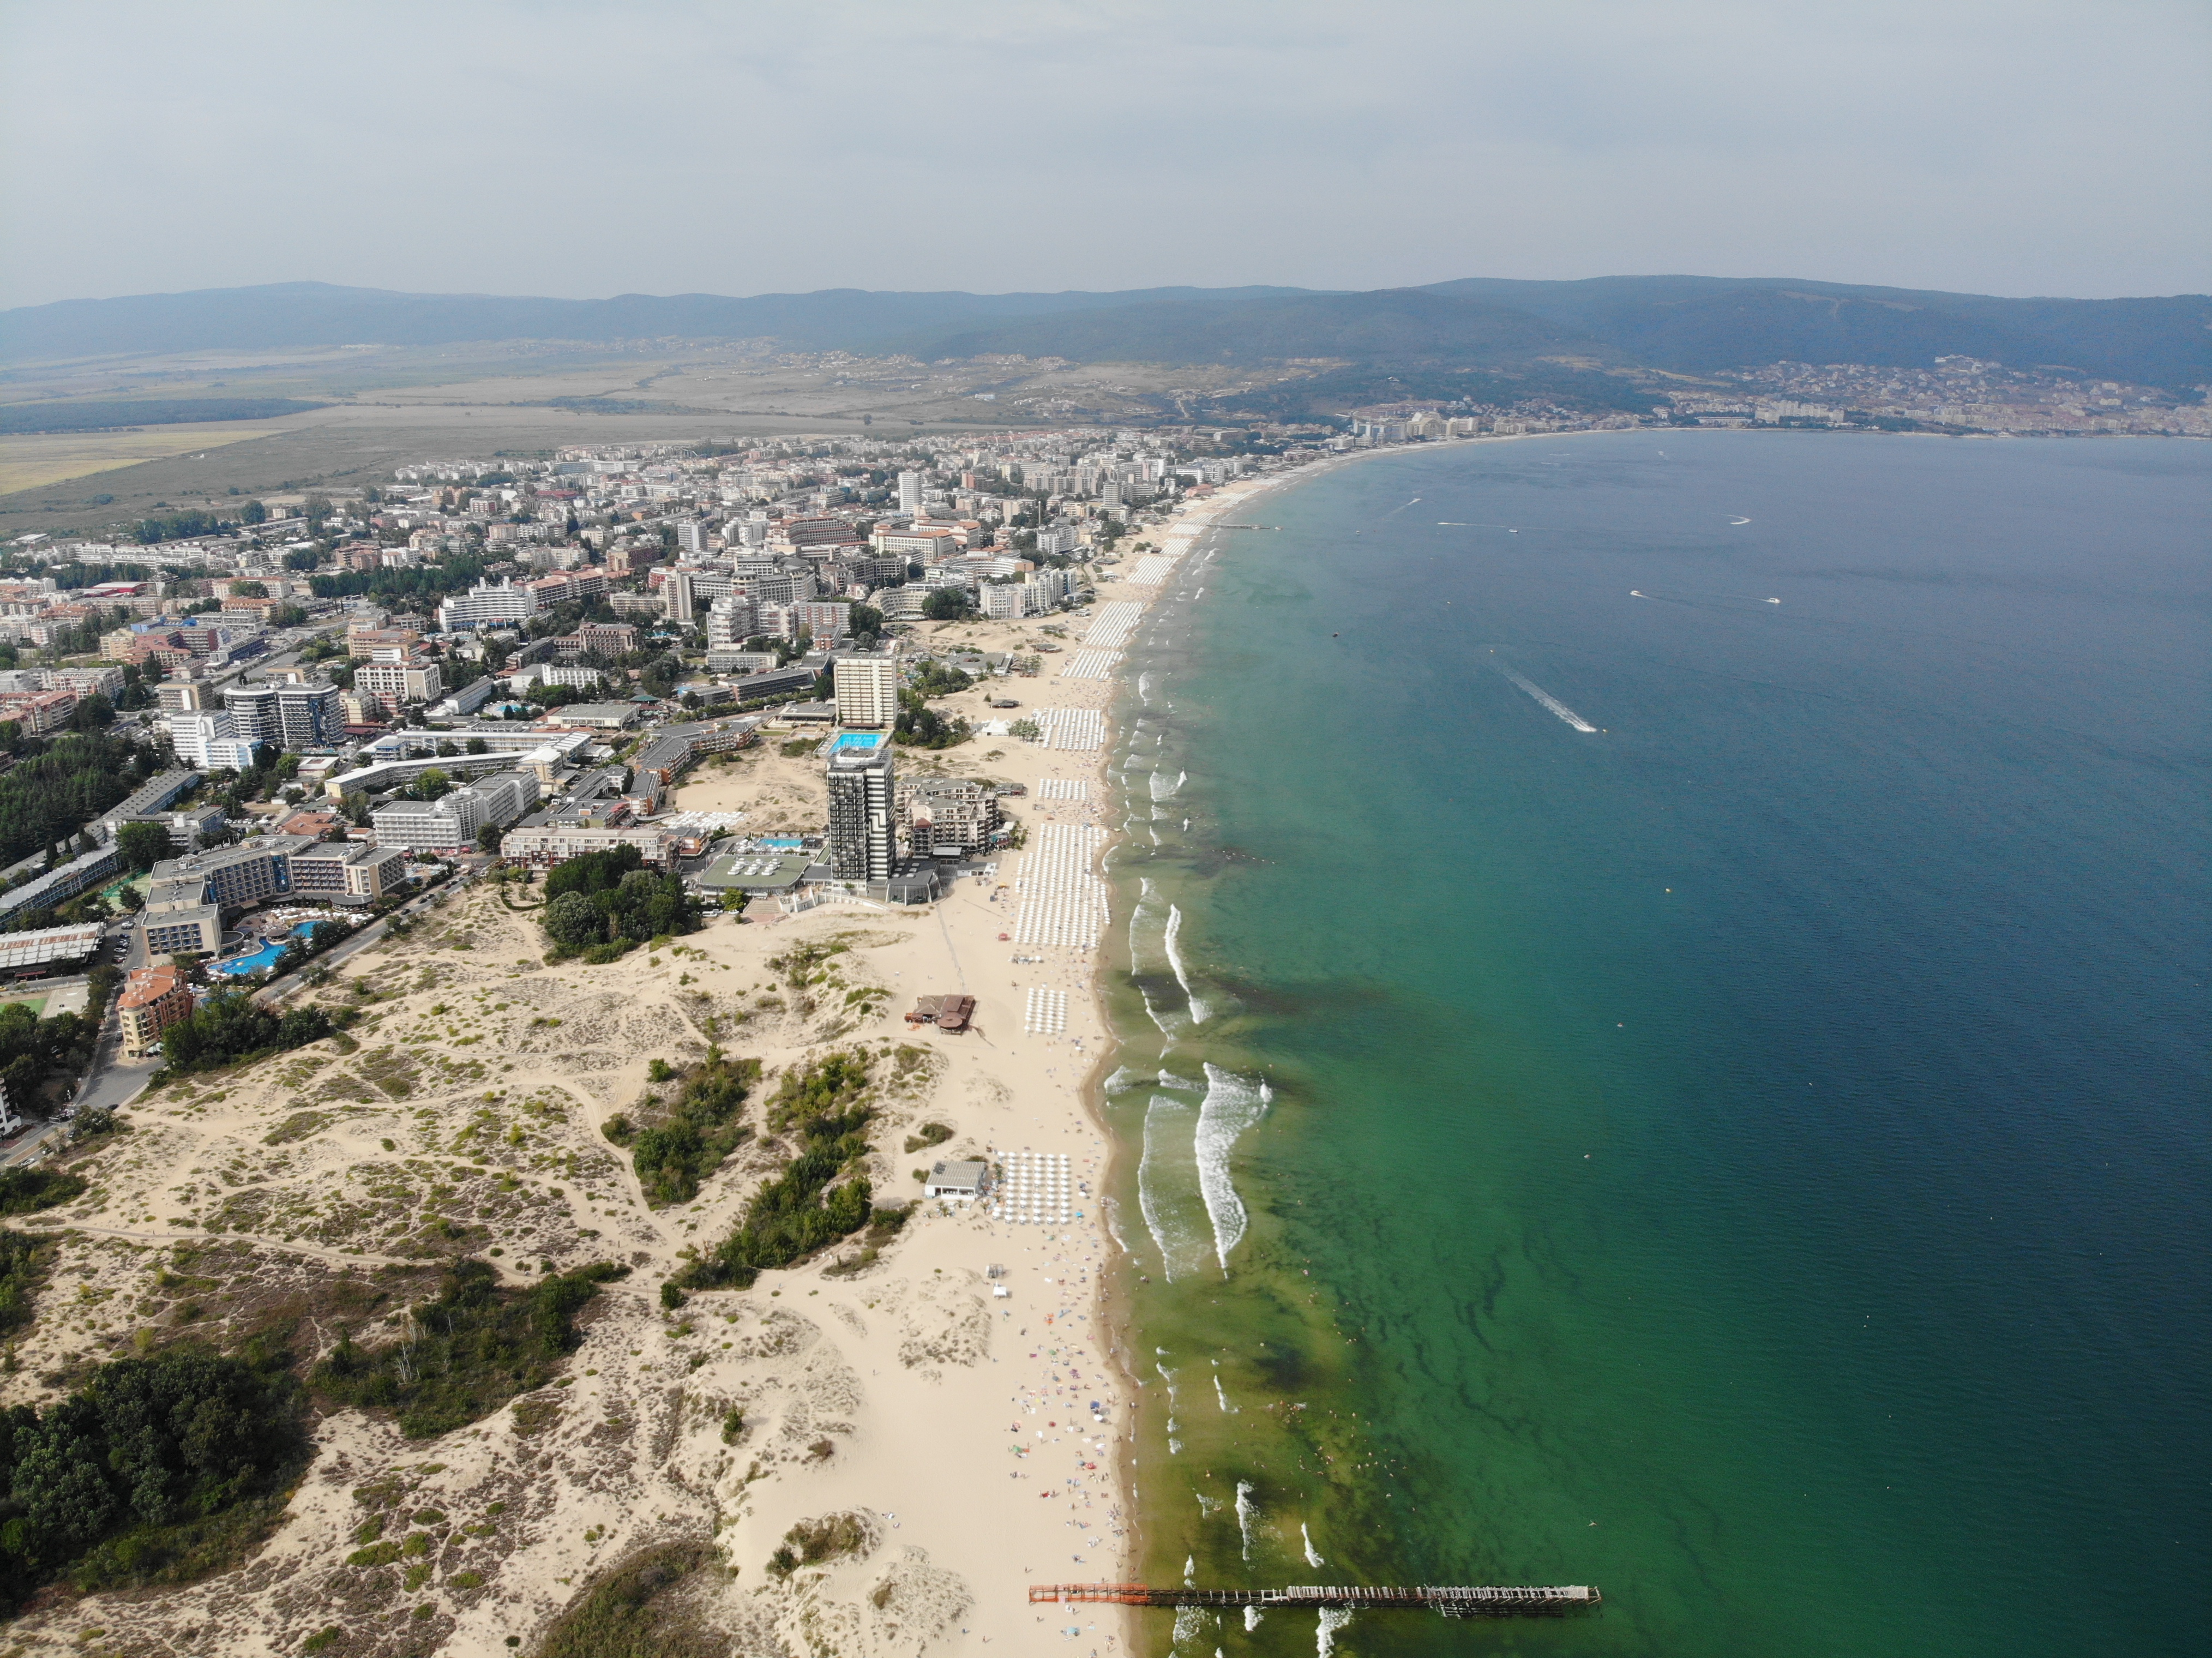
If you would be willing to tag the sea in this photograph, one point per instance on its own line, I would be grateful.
(1663, 1047)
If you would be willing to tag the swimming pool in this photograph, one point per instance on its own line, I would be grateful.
(259, 961)
(239, 966)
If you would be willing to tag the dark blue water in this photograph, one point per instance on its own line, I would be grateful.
(1752, 1157)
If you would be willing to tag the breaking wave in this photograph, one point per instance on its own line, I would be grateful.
(1233, 1104)
(1200, 1013)
(1164, 1179)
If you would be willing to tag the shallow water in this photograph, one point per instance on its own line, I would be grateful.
(1747, 1154)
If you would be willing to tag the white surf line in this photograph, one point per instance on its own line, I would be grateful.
(1200, 1013)
(1551, 702)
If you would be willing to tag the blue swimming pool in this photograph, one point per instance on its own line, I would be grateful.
(239, 966)
(259, 961)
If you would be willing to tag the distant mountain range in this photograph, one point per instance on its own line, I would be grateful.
(1689, 325)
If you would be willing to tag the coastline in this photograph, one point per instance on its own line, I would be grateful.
(1178, 537)
(896, 1393)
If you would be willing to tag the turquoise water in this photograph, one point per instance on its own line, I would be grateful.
(1749, 1155)
(239, 967)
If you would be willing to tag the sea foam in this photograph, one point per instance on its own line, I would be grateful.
(1199, 1011)
(1164, 1178)
(1233, 1104)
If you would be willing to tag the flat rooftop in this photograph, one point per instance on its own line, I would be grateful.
(755, 871)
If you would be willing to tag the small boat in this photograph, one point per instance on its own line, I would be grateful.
(1774, 601)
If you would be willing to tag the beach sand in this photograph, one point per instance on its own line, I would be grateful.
(322, 1192)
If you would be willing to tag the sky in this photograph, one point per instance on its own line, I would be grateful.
(721, 146)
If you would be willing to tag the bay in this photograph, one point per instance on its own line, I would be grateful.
(1749, 1155)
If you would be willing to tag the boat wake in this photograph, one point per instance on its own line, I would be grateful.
(1551, 702)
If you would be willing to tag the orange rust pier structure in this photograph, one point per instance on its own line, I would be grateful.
(1451, 1601)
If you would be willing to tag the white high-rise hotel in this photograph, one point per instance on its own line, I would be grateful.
(867, 691)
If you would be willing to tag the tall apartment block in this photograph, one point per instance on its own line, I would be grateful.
(863, 801)
(867, 691)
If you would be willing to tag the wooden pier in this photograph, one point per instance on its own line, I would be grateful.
(1453, 1601)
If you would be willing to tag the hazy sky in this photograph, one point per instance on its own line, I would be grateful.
(657, 147)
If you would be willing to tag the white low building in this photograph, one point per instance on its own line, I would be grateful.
(958, 1183)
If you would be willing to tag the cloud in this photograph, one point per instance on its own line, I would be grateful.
(668, 147)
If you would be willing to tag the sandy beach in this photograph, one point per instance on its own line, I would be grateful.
(951, 1430)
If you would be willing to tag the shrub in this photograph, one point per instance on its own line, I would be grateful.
(27, 1191)
(703, 1129)
(231, 1027)
(799, 1211)
(461, 1357)
(23, 1266)
(628, 1613)
(811, 1542)
(118, 1477)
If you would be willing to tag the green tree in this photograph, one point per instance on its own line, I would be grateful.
(948, 604)
(574, 922)
(142, 846)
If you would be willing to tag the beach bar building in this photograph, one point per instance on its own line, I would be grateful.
(958, 1183)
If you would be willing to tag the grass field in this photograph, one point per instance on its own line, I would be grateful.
(38, 459)
(36, 1004)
